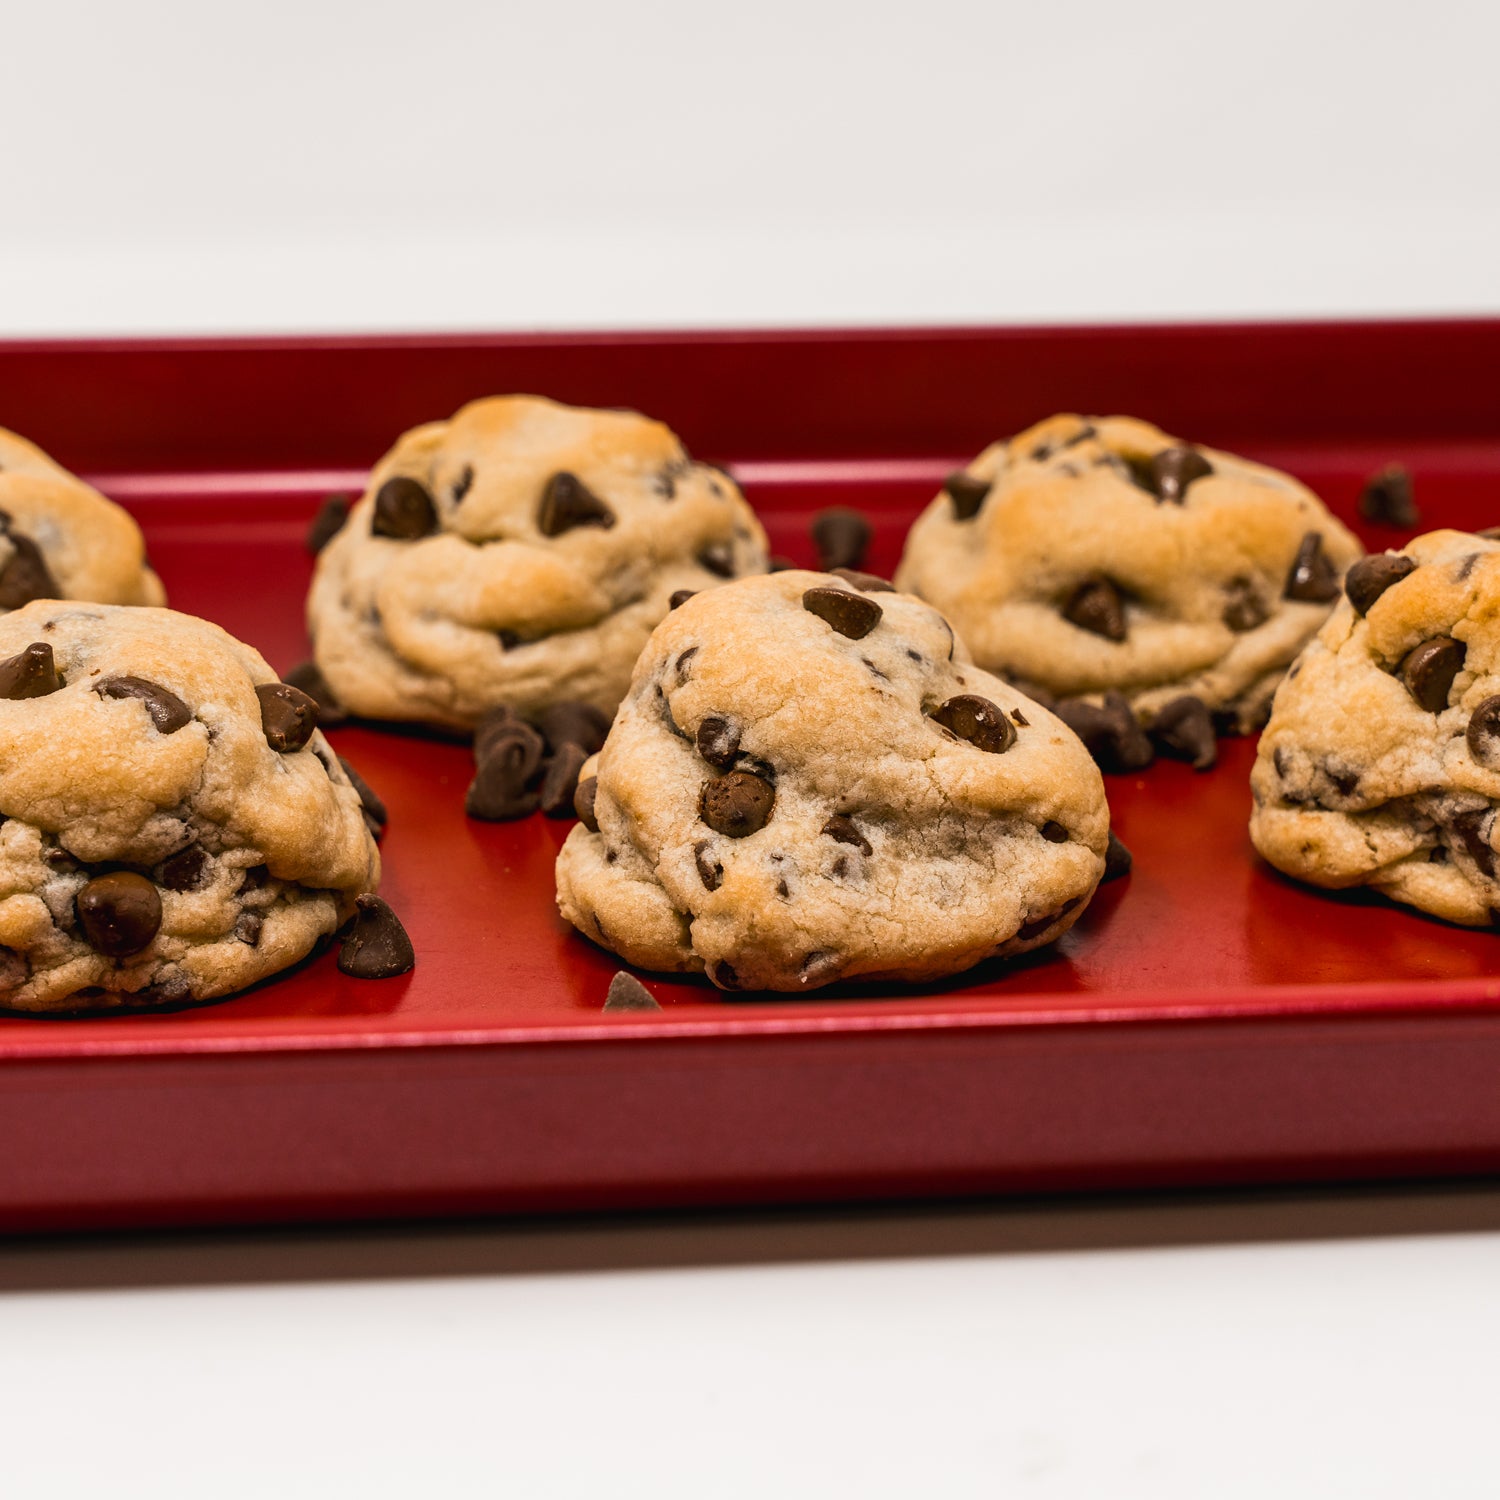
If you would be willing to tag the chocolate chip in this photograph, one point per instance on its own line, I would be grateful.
(710, 871)
(723, 974)
(1429, 670)
(1388, 499)
(172, 989)
(842, 537)
(977, 720)
(247, 928)
(560, 784)
(680, 666)
(626, 992)
(680, 597)
(718, 558)
(1173, 469)
(373, 807)
(1054, 833)
(1244, 609)
(120, 913)
(718, 740)
(254, 878)
(508, 756)
(843, 830)
(583, 802)
(508, 639)
(376, 945)
(1095, 605)
(463, 484)
(849, 613)
(866, 583)
(967, 494)
(567, 503)
(501, 723)
(26, 575)
(737, 804)
(1371, 576)
(30, 673)
(1470, 828)
(187, 870)
(819, 967)
(403, 510)
(328, 522)
(1466, 566)
(573, 722)
(1184, 729)
(1017, 717)
(60, 860)
(1313, 578)
(1038, 925)
(306, 677)
(288, 716)
(167, 711)
(1483, 734)
(1109, 731)
(1117, 860)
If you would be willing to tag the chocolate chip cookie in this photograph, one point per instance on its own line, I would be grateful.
(1099, 556)
(60, 539)
(173, 826)
(1381, 763)
(518, 555)
(810, 781)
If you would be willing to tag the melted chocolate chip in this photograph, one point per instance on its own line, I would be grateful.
(737, 804)
(967, 494)
(30, 673)
(718, 558)
(1483, 734)
(841, 536)
(187, 870)
(1096, 606)
(1184, 729)
(1313, 578)
(850, 614)
(306, 677)
(463, 484)
(328, 522)
(718, 740)
(1371, 576)
(626, 992)
(974, 719)
(376, 816)
(1172, 470)
(247, 928)
(573, 722)
(583, 802)
(844, 830)
(1244, 609)
(866, 583)
(1471, 829)
(1388, 499)
(560, 783)
(567, 503)
(120, 913)
(1429, 670)
(680, 597)
(1054, 833)
(26, 575)
(1109, 731)
(288, 716)
(1117, 860)
(403, 510)
(710, 871)
(376, 946)
(167, 711)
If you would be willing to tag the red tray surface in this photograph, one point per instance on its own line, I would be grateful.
(1205, 1021)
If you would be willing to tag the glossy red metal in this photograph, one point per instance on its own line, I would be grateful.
(1207, 1021)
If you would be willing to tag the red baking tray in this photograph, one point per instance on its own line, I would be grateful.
(1206, 1021)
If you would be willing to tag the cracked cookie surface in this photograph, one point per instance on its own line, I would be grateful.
(1381, 763)
(174, 826)
(518, 555)
(1090, 555)
(809, 781)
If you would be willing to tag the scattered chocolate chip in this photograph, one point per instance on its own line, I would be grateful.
(626, 992)
(737, 804)
(967, 494)
(1173, 469)
(1108, 730)
(463, 484)
(403, 510)
(680, 597)
(247, 928)
(376, 945)
(306, 678)
(560, 783)
(819, 967)
(26, 575)
(718, 558)
(723, 974)
(167, 711)
(374, 809)
(710, 871)
(120, 913)
(1388, 499)
(1184, 729)
(187, 870)
(328, 522)
(842, 537)
(780, 564)
(1095, 605)
(1371, 576)
(1117, 860)
(1054, 833)
(568, 503)
(288, 716)
(1429, 670)
(583, 802)
(1313, 578)
(844, 830)
(497, 724)
(1483, 734)
(1244, 609)
(507, 759)
(718, 740)
(977, 720)
(30, 673)
(866, 583)
(1470, 828)
(573, 722)
(850, 614)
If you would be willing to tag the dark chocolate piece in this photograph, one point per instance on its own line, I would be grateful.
(1388, 499)
(1117, 860)
(463, 484)
(1095, 605)
(626, 992)
(718, 558)
(573, 722)
(247, 928)
(723, 974)
(1054, 832)
(844, 830)
(1429, 670)
(866, 583)
(680, 597)
(1483, 734)
(120, 913)
(1173, 469)
(718, 740)
(30, 673)
(187, 870)
(1313, 578)
(850, 614)
(288, 716)
(967, 494)
(376, 816)
(328, 522)
(376, 945)
(737, 804)
(1244, 609)
(496, 724)
(403, 510)
(1371, 576)
(167, 711)
(982, 723)
(26, 575)
(710, 871)
(1108, 730)
(819, 967)
(507, 757)
(1471, 829)
(560, 783)
(306, 677)
(567, 502)
(1184, 729)
(842, 537)
(583, 802)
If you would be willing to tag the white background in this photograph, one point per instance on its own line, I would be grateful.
(187, 167)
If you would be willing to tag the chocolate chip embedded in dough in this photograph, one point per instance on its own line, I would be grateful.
(560, 783)
(1471, 830)
(1370, 577)
(1429, 670)
(843, 830)
(247, 928)
(463, 484)
(31, 673)
(567, 503)
(1184, 729)
(680, 597)
(573, 722)
(1174, 469)
(978, 721)
(1388, 499)
(737, 804)
(1096, 606)
(1054, 832)
(718, 558)
(626, 992)
(1109, 731)
(288, 716)
(187, 870)
(403, 510)
(120, 913)
(254, 878)
(172, 989)
(1038, 925)
(583, 802)
(376, 945)
(1117, 860)
(841, 536)
(724, 975)
(166, 710)
(26, 575)
(718, 740)
(866, 583)
(328, 522)
(819, 967)
(967, 494)
(307, 678)
(1483, 734)
(710, 871)
(1244, 609)
(851, 614)
(1313, 579)
(373, 808)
